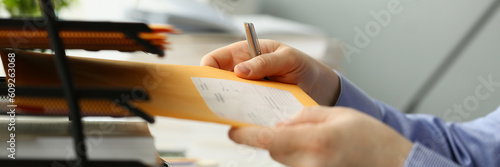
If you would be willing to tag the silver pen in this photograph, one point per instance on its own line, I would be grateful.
(253, 42)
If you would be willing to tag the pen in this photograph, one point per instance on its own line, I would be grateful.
(253, 42)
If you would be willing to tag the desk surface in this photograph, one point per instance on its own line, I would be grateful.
(188, 49)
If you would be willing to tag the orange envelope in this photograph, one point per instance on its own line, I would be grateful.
(170, 87)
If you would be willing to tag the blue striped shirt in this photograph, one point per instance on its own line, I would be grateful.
(435, 142)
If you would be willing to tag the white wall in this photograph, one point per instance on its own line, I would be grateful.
(397, 60)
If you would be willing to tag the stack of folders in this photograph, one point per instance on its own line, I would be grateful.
(88, 40)
(110, 139)
(58, 106)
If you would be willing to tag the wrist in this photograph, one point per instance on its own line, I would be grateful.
(397, 154)
(327, 86)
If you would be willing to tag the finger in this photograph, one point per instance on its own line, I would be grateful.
(292, 139)
(253, 136)
(283, 140)
(289, 159)
(302, 145)
(294, 145)
(283, 61)
(297, 159)
(227, 57)
(316, 114)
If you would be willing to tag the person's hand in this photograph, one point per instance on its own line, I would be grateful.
(328, 136)
(281, 63)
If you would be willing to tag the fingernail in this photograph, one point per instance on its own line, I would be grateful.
(243, 68)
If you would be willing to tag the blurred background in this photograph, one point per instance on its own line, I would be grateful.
(401, 57)
(396, 62)
(389, 48)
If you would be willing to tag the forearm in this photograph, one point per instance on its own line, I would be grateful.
(351, 96)
(321, 83)
(474, 143)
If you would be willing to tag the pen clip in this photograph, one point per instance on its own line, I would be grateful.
(253, 42)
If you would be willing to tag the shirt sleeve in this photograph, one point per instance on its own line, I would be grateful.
(436, 143)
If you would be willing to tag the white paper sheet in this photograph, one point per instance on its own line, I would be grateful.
(247, 102)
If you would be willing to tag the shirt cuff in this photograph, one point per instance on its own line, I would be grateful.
(353, 97)
(423, 156)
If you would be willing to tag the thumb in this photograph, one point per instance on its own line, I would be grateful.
(271, 64)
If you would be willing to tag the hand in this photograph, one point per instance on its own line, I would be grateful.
(281, 63)
(328, 136)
